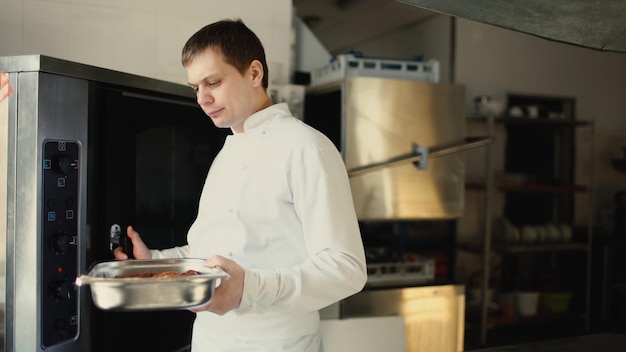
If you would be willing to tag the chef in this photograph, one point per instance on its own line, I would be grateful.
(276, 211)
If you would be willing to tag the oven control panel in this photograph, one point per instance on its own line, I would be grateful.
(59, 242)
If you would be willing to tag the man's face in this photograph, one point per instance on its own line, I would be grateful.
(224, 94)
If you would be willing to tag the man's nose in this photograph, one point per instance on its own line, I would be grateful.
(204, 96)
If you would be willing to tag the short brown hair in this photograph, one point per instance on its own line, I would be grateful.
(238, 45)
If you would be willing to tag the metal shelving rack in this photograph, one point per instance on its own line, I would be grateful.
(489, 248)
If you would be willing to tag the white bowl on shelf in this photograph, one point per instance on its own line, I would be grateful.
(495, 107)
(566, 233)
(529, 234)
(527, 303)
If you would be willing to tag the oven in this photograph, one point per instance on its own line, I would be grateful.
(83, 149)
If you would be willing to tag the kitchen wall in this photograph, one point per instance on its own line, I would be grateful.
(491, 60)
(143, 37)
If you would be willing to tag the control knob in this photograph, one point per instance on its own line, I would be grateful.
(61, 289)
(59, 242)
(64, 164)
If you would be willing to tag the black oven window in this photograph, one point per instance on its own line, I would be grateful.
(148, 159)
(171, 165)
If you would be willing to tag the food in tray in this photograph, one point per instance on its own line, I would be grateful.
(154, 275)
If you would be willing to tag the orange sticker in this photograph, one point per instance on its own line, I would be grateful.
(5, 86)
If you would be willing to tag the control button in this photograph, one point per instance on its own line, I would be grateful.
(62, 146)
(73, 320)
(52, 216)
(47, 164)
(69, 214)
(61, 182)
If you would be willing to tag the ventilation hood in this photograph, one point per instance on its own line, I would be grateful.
(598, 24)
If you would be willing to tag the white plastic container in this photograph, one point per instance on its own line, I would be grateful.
(527, 303)
(348, 65)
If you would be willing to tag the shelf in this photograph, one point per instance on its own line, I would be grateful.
(531, 188)
(619, 164)
(528, 248)
(538, 187)
(539, 248)
(495, 319)
(510, 120)
(536, 319)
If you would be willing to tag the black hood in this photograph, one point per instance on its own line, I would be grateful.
(596, 24)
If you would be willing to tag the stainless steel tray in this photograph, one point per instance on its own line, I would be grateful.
(127, 294)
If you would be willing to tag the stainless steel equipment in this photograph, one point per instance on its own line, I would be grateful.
(110, 289)
(84, 148)
(400, 139)
(42, 309)
(434, 316)
(378, 123)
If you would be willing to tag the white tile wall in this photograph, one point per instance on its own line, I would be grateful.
(143, 37)
(135, 42)
(11, 17)
(92, 27)
(46, 28)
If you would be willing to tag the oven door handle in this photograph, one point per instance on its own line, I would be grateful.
(118, 238)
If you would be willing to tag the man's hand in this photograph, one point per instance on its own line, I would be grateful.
(228, 294)
(140, 250)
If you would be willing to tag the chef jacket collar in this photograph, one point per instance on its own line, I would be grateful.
(256, 121)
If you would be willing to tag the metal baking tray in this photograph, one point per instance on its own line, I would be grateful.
(109, 292)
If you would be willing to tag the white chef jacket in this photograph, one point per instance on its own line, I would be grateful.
(277, 201)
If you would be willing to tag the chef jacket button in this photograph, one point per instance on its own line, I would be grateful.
(263, 132)
(231, 210)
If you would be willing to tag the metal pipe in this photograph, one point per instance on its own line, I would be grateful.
(415, 157)
(486, 259)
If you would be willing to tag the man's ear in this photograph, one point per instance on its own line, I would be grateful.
(256, 69)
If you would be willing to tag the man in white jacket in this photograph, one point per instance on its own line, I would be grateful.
(276, 211)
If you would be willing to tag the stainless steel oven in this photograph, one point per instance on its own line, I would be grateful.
(84, 148)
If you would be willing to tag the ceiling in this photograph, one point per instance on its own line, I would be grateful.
(341, 25)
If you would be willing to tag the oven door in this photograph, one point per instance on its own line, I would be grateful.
(149, 156)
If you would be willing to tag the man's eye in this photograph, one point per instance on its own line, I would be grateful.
(195, 89)
(214, 83)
